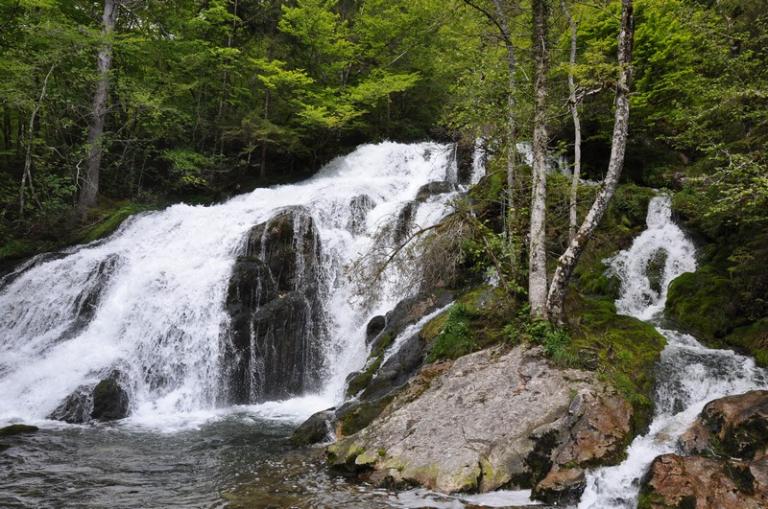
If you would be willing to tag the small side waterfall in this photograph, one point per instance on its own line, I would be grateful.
(690, 375)
(193, 305)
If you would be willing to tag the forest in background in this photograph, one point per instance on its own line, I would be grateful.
(209, 98)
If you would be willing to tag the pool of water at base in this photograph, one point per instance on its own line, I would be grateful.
(237, 462)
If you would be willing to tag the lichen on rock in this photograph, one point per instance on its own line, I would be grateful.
(499, 417)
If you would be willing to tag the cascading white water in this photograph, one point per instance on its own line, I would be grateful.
(690, 375)
(150, 299)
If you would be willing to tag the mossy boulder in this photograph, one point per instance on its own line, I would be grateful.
(700, 302)
(110, 400)
(17, 429)
(752, 338)
(623, 349)
(703, 304)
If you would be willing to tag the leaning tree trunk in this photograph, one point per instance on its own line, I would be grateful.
(90, 186)
(537, 255)
(573, 104)
(567, 262)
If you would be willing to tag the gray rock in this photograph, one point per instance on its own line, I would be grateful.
(374, 328)
(433, 189)
(489, 419)
(106, 401)
(359, 206)
(318, 428)
(76, 408)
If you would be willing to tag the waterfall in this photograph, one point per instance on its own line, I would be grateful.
(689, 374)
(158, 300)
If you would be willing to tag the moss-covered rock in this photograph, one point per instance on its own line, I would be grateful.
(110, 400)
(17, 429)
(623, 349)
(752, 338)
(701, 303)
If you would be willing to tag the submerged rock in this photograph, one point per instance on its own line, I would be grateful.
(17, 429)
(359, 206)
(491, 419)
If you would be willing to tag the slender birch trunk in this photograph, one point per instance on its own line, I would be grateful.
(567, 262)
(26, 175)
(511, 122)
(573, 104)
(500, 19)
(90, 188)
(537, 255)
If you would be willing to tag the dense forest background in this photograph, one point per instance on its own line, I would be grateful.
(210, 98)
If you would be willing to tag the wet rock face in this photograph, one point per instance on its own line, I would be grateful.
(492, 419)
(728, 463)
(702, 483)
(374, 327)
(465, 149)
(110, 400)
(274, 348)
(433, 189)
(318, 428)
(359, 206)
(76, 408)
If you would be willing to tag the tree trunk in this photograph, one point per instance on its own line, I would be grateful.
(511, 123)
(537, 255)
(90, 187)
(26, 175)
(567, 262)
(574, 106)
(502, 24)
(263, 163)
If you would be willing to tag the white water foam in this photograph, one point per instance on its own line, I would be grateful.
(690, 375)
(158, 288)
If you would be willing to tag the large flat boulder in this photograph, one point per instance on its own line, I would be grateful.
(491, 419)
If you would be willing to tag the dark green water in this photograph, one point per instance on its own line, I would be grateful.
(237, 462)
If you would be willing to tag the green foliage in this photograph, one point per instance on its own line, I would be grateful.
(554, 340)
(456, 338)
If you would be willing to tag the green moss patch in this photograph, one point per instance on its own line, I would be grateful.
(624, 350)
(752, 338)
(477, 320)
(701, 302)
